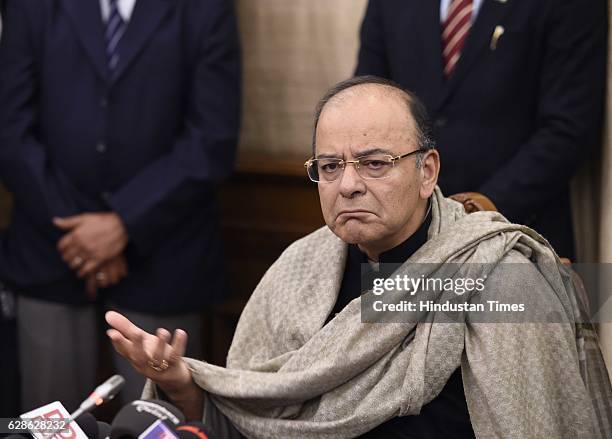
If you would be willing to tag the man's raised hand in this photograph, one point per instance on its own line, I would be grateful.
(158, 357)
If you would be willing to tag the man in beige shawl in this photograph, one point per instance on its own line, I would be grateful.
(296, 370)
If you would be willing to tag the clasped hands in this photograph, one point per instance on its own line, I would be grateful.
(93, 247)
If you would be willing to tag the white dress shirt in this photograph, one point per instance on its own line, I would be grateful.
(444, 4)
(126, 7)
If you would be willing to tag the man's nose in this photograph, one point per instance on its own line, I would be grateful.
(351, 183)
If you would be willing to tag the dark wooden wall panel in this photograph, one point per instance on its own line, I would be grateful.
(264, 207)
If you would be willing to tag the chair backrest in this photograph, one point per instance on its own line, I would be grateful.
(477, 202)
(474, 202)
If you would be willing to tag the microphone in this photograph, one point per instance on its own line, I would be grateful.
(194, 430)
(104, 430)
(102, 394)
(93, 428)
(134, 418)
(88, 424)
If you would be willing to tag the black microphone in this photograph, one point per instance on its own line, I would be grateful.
(194, 430)
(88, 424)
(104, 430)
(137, 416)
(93, 428)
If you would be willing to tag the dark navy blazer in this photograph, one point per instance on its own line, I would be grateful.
(516, 118)
(148, 143)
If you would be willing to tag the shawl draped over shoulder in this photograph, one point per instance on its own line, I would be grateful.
(290, 375)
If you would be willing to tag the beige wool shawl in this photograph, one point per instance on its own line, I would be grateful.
(290, 375)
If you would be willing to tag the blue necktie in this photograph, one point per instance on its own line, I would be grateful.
(115, 27)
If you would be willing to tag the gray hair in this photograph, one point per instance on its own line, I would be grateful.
(414, 105)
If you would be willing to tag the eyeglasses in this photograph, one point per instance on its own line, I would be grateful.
(369, 167)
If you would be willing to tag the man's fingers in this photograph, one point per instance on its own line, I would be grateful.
(73, 259)
(121, 344)
(119, 268)
(179, 343)
(69, 222)
(88, 267)
(163, 338)
(103, 278)
(131, 333)
(91, 286)
(66, 242)
(122, 324)
(139, 354)
(113, 274)
(105, 275)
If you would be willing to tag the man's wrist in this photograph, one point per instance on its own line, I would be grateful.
(181, 395)
(121, 228)
(189, 398)
(182, 387)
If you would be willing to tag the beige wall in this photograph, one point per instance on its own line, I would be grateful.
(293, 50)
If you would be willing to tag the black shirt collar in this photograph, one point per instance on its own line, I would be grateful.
(399, 253)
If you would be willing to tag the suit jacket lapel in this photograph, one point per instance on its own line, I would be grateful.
(87, 21)
(147, 15)
(490, 14)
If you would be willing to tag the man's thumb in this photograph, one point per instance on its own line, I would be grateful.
(70, 222)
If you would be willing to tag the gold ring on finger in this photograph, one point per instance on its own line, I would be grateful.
(158, 366)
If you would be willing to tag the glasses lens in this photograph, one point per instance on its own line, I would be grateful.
(312, 170)
(375, 166)
(325, 169)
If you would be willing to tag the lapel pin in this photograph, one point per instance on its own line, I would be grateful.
(497, 33)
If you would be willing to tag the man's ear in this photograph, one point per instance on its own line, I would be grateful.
(430, 168)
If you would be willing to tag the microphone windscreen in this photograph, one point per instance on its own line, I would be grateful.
(88, 424)
(104, 430)
(138, 415)
(195, 430)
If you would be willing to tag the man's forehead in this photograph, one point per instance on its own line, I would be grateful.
(345, 128)
(368, 111)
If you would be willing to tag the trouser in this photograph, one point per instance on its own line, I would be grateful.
(58, 350)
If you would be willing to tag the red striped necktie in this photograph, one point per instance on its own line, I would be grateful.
(455, 30)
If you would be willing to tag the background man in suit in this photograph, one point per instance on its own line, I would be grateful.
(116, 119)
(9, 370)
(515, 89)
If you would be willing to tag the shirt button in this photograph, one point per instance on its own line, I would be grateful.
(103, 103)
(106, 195)
(101, 147)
